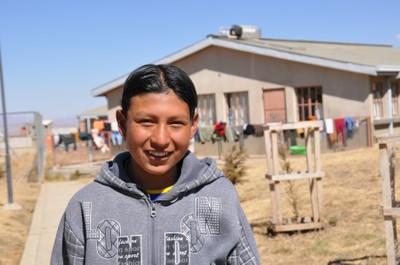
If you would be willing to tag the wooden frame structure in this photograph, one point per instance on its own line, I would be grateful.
(390, 207)
(313, 173)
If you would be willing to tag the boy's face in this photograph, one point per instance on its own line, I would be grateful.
(157, 130)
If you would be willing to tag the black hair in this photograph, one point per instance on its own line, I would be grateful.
(151, 78)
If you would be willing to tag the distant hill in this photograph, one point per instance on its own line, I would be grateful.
(63, 122)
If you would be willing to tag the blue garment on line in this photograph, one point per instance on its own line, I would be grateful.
(349, 123)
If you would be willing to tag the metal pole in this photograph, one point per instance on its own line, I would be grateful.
(8, 162)
(89, 147)
(390, 111)
(39, 144)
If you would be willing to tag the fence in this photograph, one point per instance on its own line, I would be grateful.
(68, 147)
(390, 207)
(276, 174)
(359, 136)
(25, 138)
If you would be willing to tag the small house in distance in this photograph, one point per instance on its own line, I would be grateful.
(244, 81)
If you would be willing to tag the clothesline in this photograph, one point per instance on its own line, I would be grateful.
(221, 131)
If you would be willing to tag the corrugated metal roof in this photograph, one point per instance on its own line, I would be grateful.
(95, 112)
(366, 54)
(367, 59)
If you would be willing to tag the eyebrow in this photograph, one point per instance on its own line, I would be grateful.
(146, 114)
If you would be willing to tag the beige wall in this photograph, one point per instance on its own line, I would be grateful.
(219, 70)
(114, 102)
(385, 125)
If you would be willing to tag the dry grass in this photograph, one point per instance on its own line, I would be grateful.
(353, 231)
(353, 224)
(14, 225)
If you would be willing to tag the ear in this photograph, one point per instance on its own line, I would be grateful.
(121, 122)
(193, 128)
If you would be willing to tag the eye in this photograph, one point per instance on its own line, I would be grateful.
(177, 123)
(146, 122)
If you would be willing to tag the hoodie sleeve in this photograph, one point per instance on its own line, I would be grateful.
(245, 251)
(67, 249)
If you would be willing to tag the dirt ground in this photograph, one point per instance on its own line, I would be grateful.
(14, 225)
(353, 230)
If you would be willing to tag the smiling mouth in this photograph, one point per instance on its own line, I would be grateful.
(158, 155)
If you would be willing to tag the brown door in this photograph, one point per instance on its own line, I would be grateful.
(274, 105)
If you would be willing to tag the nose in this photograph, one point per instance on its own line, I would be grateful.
(160, 137)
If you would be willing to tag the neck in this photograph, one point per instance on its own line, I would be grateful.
(148, 181)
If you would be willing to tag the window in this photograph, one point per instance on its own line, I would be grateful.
(206, 110)
(395, 85)
(237, 108)
(309, 103)
(377, 94)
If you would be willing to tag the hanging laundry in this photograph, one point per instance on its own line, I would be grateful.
(300, 132)
(258, 130)
(341, 129)
(219, 129)
(329, 126)
(206, 133)
(229, 134)
(116, 137)
(350, 124)
(107, 126)
(67, 139)
(98, 124)
(333, 139)
(248, 129)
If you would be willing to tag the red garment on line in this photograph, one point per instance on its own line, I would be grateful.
(340, 129)
(219, 128)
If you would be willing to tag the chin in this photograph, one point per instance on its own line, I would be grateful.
(158, 170)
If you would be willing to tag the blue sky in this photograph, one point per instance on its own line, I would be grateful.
(55, 52)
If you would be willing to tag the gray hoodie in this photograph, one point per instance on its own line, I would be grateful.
(199, 221)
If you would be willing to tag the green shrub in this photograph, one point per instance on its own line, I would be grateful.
(76, 175)
(291, 189)
(234, 167)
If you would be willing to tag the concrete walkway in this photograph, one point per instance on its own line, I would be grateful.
(50, 206)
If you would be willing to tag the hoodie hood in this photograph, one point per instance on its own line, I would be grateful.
(194, 174)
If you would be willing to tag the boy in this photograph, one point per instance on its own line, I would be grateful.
(157, 203)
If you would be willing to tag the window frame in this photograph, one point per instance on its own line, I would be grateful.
(206, 109)
(395, 86)
(377, 100)
(309, 99)
(238, 115)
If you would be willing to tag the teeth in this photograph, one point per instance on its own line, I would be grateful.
(159, 154)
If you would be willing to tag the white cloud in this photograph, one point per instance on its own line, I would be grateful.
(398, 37)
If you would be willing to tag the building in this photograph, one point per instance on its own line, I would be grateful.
(242, 78)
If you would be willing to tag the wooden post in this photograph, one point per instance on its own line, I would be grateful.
(317, 157)
(270, 168)
(275, 163)
(313, 174)
(387, 154)
(311, 168)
